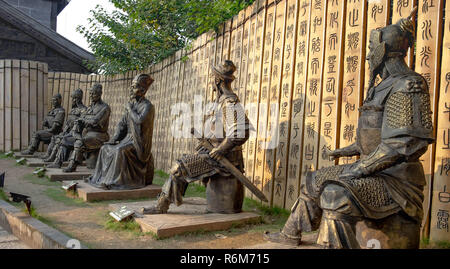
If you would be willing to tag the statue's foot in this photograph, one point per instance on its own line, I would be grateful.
(54, 165)
(281, 238)
(45, 157)
(152, 210)
(70, 168)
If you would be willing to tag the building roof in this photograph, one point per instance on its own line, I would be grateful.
(44, 34)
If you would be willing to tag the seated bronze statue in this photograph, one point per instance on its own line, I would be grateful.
(66, 135)
(52, 125)
(126, 161)
(224, 193)
(394, 130)
(90, 131)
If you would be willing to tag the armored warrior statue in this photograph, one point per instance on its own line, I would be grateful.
(224, 192)
(394, 130)
(126, 161)
(77, 108)
(90, 130)
(52, 125)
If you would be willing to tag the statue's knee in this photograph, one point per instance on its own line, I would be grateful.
(337, 198)
(175, 170)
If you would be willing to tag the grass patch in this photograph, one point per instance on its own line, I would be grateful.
(193, 190)
(3, 195)
(440, 244)
(63, 197)
(44, 181)
(130, 226)
(161, 174)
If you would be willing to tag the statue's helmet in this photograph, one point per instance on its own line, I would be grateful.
(391, 41)
(97, 88)
(225, 70)
(143, 80)
(58, 97)
(78, 93)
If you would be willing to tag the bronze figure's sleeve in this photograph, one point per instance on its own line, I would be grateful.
(58, 121)
(121, 130)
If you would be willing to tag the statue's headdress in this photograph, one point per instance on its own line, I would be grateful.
(225, 70)
(78, 93)
(143, 80)
(97, 87)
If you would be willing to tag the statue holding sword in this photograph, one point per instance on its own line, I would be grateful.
(218, 161)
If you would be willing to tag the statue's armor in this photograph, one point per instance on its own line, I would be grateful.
(398, 111)
(73, 116)
(55, 120)
(199, 165)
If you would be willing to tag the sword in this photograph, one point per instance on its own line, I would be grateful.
(234, 171)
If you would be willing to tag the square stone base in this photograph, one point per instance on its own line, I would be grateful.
(191, 216)
(89, 193)
(56, 174)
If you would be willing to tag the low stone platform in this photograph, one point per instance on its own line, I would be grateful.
(89, 193)
(191, 216)
(19, 155)
(56, 174)
(38, 162)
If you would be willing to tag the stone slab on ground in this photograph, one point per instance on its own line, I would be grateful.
(38, 162)
(90, 193)
(56, 174)
(191, 216)
(18, 155)
(308, 242)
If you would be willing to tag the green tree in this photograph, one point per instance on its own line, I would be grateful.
(143, 32)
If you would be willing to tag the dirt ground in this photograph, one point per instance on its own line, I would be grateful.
(90, 223)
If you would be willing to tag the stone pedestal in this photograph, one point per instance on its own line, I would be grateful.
(395, 232)
(191, 216)
(90, 193)
(56, 174)
(224, 195)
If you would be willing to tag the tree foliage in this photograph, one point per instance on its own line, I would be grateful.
(143, 32)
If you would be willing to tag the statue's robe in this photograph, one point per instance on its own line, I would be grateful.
(128, 164)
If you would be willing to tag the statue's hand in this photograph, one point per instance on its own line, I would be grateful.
(216, 154)
(334, 154)
(351, 172)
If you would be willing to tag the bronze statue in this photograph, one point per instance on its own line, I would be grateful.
(126, 161)
(52, 125)
(394, 130)
(224, 192)
(77, 108)
(90, 130)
